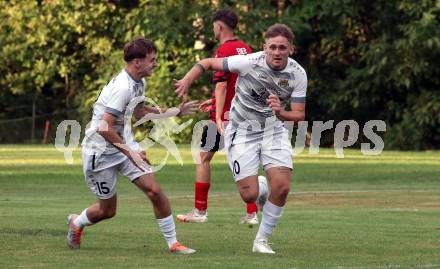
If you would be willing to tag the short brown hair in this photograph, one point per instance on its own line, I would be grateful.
(138, 48)
(279, 29)
(227, 16)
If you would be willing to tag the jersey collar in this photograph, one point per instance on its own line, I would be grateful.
(137, 81)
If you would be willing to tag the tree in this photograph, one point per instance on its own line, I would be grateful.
(365, 59)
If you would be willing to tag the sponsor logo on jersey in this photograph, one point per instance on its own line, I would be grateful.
(241, 51)
(283, 83)
(260, 96)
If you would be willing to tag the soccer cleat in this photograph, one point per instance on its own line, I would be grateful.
(181, 249)
(262, 246)
(263, 192)
(194, 216)
(250, 219)
(73, 233)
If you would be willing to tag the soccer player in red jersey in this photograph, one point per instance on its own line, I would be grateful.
(224, 24)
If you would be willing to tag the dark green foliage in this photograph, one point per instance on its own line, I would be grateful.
(365, 59)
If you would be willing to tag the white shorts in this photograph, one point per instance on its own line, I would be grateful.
(102, 179)
(247, 149)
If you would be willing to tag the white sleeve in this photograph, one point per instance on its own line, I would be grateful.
(240, 64)
(300, 89)
(118, 101)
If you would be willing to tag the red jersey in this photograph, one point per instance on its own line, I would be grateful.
(228, 48)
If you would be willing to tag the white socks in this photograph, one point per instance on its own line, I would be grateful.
(271, 216)
(166, 225)
(168, 229)
(262, 188)
(82, 220)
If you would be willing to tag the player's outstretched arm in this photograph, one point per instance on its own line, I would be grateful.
(141, 110)
(182, 85)
(145, 113)
(188, 108)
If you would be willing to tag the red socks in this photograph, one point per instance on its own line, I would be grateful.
(201, 195)
(251, 208)
(201, 198)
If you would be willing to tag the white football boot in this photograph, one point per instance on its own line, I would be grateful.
(194, 216)
(178, 248)
(74, 233)
(262, 246)
(250, 219)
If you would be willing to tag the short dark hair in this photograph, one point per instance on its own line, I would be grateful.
(138, 48)
(279, 29)
(226, 16)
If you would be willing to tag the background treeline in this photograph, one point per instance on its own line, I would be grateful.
(365, 59)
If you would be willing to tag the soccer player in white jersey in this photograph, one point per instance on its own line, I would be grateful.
(109, 147)
(268, 81)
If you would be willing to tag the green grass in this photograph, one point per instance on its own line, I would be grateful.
(357, 212)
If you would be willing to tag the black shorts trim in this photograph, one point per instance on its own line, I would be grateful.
(211, 140)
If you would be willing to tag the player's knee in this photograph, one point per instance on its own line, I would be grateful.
(249, 196)
(154, 194)
(249, 199)
(282, 190)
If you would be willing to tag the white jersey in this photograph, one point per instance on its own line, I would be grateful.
(118, 95)
(256, 81)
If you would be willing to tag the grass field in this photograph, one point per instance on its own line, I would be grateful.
(357, 212)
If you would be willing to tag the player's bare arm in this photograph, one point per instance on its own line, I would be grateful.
(107, 131)
(184, 109)
(142, 110)
(220, 97)
(182, 85)
(296, 114)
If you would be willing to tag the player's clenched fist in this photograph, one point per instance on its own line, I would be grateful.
(274, 103)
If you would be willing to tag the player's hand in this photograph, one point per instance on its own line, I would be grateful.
(139, 159)
(188, 108)
(185, 98)
(220, 126)
(143, 155)
(274, 103)
(182, 87)
(206, 105)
